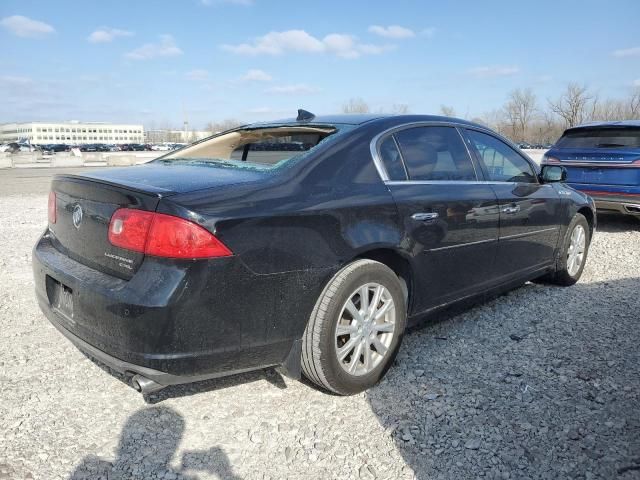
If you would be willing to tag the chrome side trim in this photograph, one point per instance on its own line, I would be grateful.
(449, 247)
(526, 234)
(508, 237)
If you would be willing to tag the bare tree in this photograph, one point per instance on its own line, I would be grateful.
(520, 109)
(634, 104)
(447, 111)
(355, 105)
(223, 125)
(399, 108)
(572, 106)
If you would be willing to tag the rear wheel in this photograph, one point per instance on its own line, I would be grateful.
(355, 329)
(573, 255)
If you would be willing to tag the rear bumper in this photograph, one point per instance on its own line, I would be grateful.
(126, 368)
(625, 202)
(618, 206)
(178, 321)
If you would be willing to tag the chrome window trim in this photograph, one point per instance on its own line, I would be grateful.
(446, 182)
(404, 164)
(376, 140)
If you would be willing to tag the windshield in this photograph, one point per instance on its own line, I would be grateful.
(255, 148)
(601, 138)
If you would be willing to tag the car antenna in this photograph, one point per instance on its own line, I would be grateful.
(304, 115)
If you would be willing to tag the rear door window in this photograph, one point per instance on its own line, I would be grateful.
(435, 153)
(600, 138)
(391, 159)
(503, 163)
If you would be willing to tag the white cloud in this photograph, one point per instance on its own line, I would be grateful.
(493, 71)
(165, 48)
(627, 52)
(255, 75)
(198, 75)
(106, 34)
(392, 31)
(294, 89)
(26, 27)
(278, 43)
(636, 82)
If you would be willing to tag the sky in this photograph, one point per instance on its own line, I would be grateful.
(163, 62)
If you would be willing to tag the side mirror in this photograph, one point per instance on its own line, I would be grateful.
(553, 174)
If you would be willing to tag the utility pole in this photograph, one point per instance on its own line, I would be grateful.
(185, 124)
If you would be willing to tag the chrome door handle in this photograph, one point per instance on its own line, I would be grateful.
(511, 210)
(423, 217)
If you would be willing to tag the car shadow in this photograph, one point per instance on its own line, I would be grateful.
(270, 375)
(148, 443)
(612, 223)
(545, 393)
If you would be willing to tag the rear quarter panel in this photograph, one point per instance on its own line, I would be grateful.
(316, 215)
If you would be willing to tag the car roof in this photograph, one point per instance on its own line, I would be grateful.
(616, 123)
(359, 119)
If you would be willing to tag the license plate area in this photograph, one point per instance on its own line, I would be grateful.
(60, 298)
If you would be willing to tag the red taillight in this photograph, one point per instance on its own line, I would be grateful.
(163, 235)
(129, 229)
(51, 208)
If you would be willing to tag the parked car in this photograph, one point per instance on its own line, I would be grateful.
(55, 148)
(160, 147)
(133, 147)
(15, 147)
(222, 258)
(603, 160)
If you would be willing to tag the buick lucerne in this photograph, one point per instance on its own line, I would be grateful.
(307, 244)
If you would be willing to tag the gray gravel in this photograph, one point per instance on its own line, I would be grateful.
(540, 383)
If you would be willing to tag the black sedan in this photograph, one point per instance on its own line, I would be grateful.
(307, 244)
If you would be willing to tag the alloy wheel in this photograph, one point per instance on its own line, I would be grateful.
(575, 254)
(365, 329)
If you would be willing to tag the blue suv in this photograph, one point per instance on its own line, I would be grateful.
(602, 159)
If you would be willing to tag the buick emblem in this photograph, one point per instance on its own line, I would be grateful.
(77, 216)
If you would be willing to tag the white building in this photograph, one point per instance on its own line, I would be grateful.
(72, 133)
(176, 136)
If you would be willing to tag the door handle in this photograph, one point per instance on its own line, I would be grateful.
(423, 217)
(511, 210)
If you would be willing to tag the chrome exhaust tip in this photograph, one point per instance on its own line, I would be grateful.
(631, 208)
(145, 385)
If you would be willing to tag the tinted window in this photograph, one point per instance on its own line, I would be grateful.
(601, 138)
(502, 162)
(391, 159)
(435, 153)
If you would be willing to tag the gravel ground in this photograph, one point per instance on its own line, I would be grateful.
(540, 383)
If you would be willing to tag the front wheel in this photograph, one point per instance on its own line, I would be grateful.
(573, 254)
(355, 329)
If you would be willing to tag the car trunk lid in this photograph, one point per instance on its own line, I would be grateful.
(94, 196)
(83, 212)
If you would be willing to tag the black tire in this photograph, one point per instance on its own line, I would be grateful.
(319, 360)
(562, 276)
